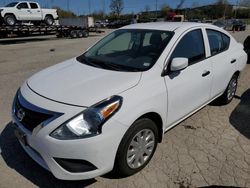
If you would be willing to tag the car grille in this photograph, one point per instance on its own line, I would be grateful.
(27, 116)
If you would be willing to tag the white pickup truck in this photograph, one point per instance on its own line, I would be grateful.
(27, 11)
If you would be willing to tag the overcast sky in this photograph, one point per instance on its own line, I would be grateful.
(84, 6)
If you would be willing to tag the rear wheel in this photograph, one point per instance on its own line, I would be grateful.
(49, 20)
(136, 148)
(10, 20)
(80, 34)
(230, 92)
(85, 34)
(73, 34)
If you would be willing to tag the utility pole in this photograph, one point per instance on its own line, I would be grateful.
(104, 7)
(225, 3)
(89, 7)
(68, 5)
(236, 9)
(156, 8)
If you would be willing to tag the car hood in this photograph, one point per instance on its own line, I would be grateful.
(74, 83)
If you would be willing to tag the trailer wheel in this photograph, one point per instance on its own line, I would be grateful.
(85, 34)
(73, 34)
(80, 34)
(10, 20)
(59, 35)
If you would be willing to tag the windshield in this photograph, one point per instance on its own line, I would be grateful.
(128, 50)
(11, 4)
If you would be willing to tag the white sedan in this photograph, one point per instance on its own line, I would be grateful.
(109, 108)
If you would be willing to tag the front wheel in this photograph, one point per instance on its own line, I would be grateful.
(230, 92)
(10, 20)
(136, 148)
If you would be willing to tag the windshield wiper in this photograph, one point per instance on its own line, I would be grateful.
(83, 59)
(119, 67)
(105, 65)
(113, 66)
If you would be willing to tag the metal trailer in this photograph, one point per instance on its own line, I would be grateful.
(68, 27)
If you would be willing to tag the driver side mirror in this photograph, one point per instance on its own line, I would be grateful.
(18, 7)
(179, 64)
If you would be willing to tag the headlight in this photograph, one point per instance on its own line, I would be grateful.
(90, 121)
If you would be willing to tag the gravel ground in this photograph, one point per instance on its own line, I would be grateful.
(212, 147)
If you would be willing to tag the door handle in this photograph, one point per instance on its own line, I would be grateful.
(206, 73)
(28, 10)
(233, 61)
(38, 11)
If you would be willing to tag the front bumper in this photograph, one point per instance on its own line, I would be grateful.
(98, 150)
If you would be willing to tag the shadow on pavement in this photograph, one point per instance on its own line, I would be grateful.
(16, 158)
(240, 117)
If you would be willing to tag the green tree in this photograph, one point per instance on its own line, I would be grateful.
(116, 7)
(98, 15)
(165, 9)
(221, 9)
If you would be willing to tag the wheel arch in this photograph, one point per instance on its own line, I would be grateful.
(156, 118)
(237, 73)
(50, 15)
(10, 14)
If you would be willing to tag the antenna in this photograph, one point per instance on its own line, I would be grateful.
(104, 7)
(89, 7)
(156, 8)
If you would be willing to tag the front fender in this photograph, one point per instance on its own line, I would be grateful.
(150, 95)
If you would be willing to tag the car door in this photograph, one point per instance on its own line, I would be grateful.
(35, 12)
(24, 12)
(221, 59)
(190, 88)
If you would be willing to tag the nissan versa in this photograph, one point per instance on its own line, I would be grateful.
(109, 108)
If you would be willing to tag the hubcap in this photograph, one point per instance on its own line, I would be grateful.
(231, 89)
(49, 21)
(141, 148)
(10, 21)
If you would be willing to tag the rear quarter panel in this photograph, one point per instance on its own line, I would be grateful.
(240, 56)
(52, 12)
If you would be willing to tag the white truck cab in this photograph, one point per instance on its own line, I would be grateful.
(27, 11)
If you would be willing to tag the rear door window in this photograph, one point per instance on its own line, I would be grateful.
(33, 6)
(218, 41)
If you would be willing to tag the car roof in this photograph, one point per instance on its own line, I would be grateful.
(167, 26)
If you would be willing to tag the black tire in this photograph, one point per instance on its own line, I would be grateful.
(85, 34)
(49, 20)
(10, 20)
(80, 34)
(226, 98)
(122, 168)
(73, 34)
